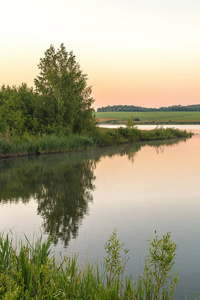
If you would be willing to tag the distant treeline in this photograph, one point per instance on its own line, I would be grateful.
(194, 107)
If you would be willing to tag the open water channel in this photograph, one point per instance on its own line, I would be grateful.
(80, 198)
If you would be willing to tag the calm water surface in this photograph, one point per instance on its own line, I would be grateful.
(79, 198)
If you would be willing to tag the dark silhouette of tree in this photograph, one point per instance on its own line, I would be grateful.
(193, 107)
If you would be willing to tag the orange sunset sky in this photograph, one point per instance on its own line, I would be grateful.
(137, 52)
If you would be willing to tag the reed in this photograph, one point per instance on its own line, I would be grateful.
(43, 144)
(30, 272)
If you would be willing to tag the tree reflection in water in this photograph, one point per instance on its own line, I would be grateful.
(62, 184)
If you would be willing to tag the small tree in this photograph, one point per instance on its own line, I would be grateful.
(67, 97)
(157, 279)
(130, 123)
(115, 262)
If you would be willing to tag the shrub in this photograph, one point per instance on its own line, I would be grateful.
(156, 278)
(130, 134)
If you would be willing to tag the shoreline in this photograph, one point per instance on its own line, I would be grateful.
(102, 137)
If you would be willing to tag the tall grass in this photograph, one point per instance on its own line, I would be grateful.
(43, 144)
(49, 143)
(30, 273)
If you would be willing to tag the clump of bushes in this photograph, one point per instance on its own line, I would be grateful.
(164, 133)
(116, 136)
(132, 134)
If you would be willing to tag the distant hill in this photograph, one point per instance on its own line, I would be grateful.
(194, 107)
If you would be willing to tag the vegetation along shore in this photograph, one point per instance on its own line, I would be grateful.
(53, 143)
(57, 114)
(30, 271)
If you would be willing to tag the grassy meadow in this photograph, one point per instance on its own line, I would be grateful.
(150, 117)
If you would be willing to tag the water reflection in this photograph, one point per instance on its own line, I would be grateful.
(61, 184)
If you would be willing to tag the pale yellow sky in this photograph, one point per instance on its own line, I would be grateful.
(139, 52)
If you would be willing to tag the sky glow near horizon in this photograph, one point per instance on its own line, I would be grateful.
(135, 52)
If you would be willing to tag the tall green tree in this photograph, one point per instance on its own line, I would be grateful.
(67, 96)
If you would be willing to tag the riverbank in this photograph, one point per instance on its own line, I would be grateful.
(46, 144)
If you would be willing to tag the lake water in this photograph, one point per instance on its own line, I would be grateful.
(80, 198)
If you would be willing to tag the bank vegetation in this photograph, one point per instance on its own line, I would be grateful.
(57, 114)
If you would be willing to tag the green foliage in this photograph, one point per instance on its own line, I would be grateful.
(61, 102)
(161, 133)
(19, 110)
(114, 262)
(47, 143)
(116, 136)
(28, 272)
(157, 268)
(130, 122)
(131, 134)
(66, 96)
(127, 135)
(28, 144)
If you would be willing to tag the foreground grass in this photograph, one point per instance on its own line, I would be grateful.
(28, 272)
(151, 117)
(27, 145)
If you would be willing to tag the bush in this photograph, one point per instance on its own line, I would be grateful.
(156, 278)
(162, 133)
(130, 134)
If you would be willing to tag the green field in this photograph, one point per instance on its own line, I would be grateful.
(145, 117)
